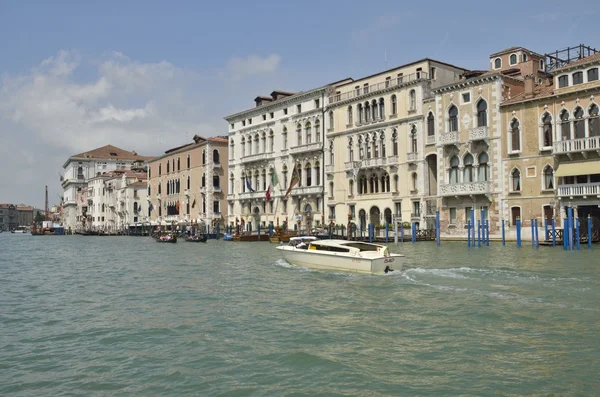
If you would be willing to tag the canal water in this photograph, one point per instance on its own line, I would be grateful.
(125, 316)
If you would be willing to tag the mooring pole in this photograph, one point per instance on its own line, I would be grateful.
(577, 234)
(468, 232)
(503, 234)
(570, 221)
(437, 227)
(518, 226)
(589, 228)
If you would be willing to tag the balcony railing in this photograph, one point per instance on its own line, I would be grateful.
(329, 168)
(392, 160)
(430, 140)
(309, 147)
(252, 195)
(479, 133)
(374, 162)
(580, 189)
(412, 157)
(449, 138)
(374, 88)
(307, 190)
(217, 189)
(465, 189)
(577, 145)
(257, 157)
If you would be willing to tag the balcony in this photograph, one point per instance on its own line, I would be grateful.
(307, 190)
(329, 168)
(392, 160)
(465, 189)
(218, 165)
(79, 179)
(479, 134)
(412, 157)
(374, 162)
(430, 140)
(579, 190)
(217, 189)
(309, 147)
(415, 216)
(449, 138)
(581, 145)
(257, 157)
(252, 195)
(376, 88)
(231, 196)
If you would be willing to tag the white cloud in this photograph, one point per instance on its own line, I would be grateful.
(252, 65)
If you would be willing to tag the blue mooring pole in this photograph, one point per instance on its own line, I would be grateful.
(553, 232)
(479, 232)
(547, 237)
(387, 231)
(258, 239)
(518, 226)
(537, 235)
(473, 225)
(370, 232)
(565, 233)
(570, 224)
(589, 228)
(437, 228)
(487, 233)
(532, 232)
(413, 234)
(468, 232)
(402, 232)
(503, 234)
(577, 234)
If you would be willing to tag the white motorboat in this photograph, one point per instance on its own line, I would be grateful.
(341, 255)
(20, 230)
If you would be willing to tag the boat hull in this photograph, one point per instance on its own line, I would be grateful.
(338, 262)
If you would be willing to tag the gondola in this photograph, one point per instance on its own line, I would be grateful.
(170, 239)
(197, 239)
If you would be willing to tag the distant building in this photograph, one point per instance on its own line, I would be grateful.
(82, 167)
(9, 217)
(26, 215)
(188, 184)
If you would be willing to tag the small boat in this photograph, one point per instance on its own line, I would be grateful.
(281, 236)
(340, 255)
(166, 238)
(20, 230)
(199, 238)
(228, 237)
(251, 237)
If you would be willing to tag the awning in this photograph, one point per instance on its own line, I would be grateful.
(578, 168)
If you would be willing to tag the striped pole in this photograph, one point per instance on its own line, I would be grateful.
(473, 225)
(532, 232)
(479, 232)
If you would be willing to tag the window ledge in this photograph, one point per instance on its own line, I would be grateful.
(452, 226)
(546, 149)
(410, 111)
(547, 190)
(393, 115)
(515, 192)
(330, 129)
(514, 152)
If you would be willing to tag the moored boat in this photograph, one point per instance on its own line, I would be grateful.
(199, 238)
(20, 230)
(227, 237)
(166, 238)
(341, 255)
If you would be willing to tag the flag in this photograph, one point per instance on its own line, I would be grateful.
(295, 179)
(248, 184)
(274, 178)
(268, 195)
(194, 203)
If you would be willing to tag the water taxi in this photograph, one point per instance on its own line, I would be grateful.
(341, 255)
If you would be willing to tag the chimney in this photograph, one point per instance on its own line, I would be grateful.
(529, 84)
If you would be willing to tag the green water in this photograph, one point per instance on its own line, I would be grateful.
(119, 316)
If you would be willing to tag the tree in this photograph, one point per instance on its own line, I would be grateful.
(39, 217)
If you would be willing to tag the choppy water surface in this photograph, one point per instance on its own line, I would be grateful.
(118, 316)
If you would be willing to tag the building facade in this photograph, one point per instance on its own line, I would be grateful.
(116, 201)
(188, 184)
(278, 141)
(551, 155)
(79, 169)
(471, 141)
(376, 138)
(26, 215)
(9, 217)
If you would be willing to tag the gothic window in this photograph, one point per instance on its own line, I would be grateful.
(453, 119)
(308, 169)
(203, 159)
(482, 113)
(271, 140)
(395, 142)
(394, 105)
(453, 172)
(308, 132)
(413, 139)
(359, 111)
(381, 108)
(547, 129)
(243, 143)
(299, 135)
(382, 139)
(565, 126)
(285, 138)
(317, 130)
(468, 172)
(430, 124)
(579, 123)
(349, 116)
(331, 125)
(412, 100)
(594, 127)
(317, 168)
(515, 179)
(483, 170)
(548, 178)
(367, 112)
(374, 111)
(216, 158)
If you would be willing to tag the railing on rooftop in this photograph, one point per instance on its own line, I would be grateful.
(371, 89)
(560, 58)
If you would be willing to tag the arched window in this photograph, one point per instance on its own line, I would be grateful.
(374, 111)
(216, 181)
(548, 178)
(178, 163)
(271, 140)
(203, 181)
(513, 59)
(382, 139)
(168, 167)
(497, 63)
(263, 175)
(80, 173)
(387, 182)
(308, 169)
(331, 125)
(430, 124)
(414, 181)
(524, 57)
(367, 112)
(317, 130)
(577, 78)
(359, 111)
(299, 135)
(515, 179)
(375, 147)
(579, 123)
(263, 140)
(547, 130)
(515, 136)
(135, 207)
(189, 158)
(188, 183)
(468, 174)
(308, 132)
(565, 126)
(413, 139)
(216, 157)
(395, 142)
(382, 183)
(594, 126)
(350, 187)
(368, 145)
(396, 183)
(483, 170)
(159, 169)
(592, 74)
(394, 105)
(412, 100)
(243, 143)
(285, 138)
(317, 168)
(203, 159)
(381, 109)
(453, 172)
(350, 149)
(452, 119)
(331, 153)
(159, 188)
(349, 116)
(331, 189)
(482, 113)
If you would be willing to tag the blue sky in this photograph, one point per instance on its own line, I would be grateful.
(147, 75)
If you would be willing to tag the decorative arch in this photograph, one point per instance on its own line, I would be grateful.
(515, 135)
(430, 124)
(481, 108)
(452, 118)
(548, 177)
(515, 180)
(593, 121)
(483, 171)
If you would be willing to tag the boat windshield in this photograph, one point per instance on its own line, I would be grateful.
(363, 247)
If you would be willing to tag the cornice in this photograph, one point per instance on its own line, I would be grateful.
(309, 115)
(469, 82)
(555, 96)
(276, 104)
(377, 93)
